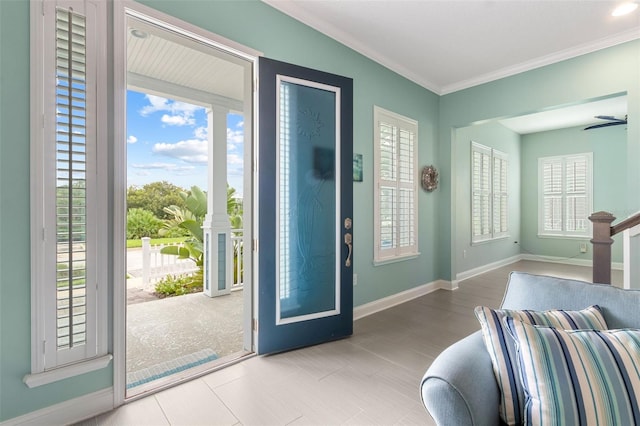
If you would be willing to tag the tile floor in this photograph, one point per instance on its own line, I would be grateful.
(371, 378)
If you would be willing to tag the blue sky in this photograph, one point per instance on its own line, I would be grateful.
(167, 140)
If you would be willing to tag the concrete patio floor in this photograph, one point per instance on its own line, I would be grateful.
(159, 331)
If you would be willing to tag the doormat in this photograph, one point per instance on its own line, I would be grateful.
(167, 368)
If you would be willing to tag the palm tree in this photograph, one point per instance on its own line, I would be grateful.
(191, 218)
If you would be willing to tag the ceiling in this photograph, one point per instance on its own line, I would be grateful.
(581, 114)
(164, 63)
(447, 46)
(444, 46)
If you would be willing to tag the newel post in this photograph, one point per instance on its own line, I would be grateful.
(602, 246)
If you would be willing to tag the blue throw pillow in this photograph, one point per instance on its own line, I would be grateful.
(578, 377)
(502, 349)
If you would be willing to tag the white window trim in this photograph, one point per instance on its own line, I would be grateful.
(43, 370)
(493, 154)
(542, 233)
(382, 257)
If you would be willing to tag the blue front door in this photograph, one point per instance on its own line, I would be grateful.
(305, 231)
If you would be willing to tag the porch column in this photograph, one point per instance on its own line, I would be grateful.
(218, 254)
(602, 246)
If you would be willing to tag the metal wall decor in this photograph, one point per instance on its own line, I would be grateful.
(429, 178)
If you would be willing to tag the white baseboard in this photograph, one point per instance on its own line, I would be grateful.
(578, 262)
(67, 412)
(488, 267)
(398, 298)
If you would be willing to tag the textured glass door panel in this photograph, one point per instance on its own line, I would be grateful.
(308, 278)
(305, 208)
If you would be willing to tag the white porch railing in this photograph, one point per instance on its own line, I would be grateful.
(237, 243)
(156, 265)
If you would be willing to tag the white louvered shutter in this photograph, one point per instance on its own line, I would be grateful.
(576, 201)
(565, 188)
(480, 192)
(552, 194)
(500, 194)
(67, 310)
(396, 186)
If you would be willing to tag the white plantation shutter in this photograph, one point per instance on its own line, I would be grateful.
(480, 192)
(396, 186)
(72, 227)
(551, 171)
(565, 195)
(406, 192)
(489, 195)
(500, 206)
(69, 302)
(576, 216)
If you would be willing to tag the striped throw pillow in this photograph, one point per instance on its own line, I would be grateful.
(578, 377)
(502, 349)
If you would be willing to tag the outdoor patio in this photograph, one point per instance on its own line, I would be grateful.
(172, 334)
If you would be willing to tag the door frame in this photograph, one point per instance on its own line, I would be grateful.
(123, 9)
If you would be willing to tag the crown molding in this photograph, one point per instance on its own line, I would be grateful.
(544, 61)
(292, 10)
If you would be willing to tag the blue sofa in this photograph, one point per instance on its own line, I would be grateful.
(459, 388)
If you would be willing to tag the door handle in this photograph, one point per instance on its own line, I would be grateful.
(348, 241)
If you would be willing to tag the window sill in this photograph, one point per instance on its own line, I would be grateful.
(565, 237)
(380, 262)
(61, 373)
(490, 240)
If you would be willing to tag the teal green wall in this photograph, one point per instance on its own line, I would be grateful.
(255, 25)
(602, 73)
(15, 286)
(608, 146)
(493, 135)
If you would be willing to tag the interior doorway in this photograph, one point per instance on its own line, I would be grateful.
(189, 205)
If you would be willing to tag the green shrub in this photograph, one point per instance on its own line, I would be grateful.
(142, 223)
(177, 285)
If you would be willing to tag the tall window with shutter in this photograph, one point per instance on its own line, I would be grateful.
(68, 204)
(396, 186)
(565, 199)
(489, 193)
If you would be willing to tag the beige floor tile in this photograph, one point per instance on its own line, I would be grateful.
(371, 378)
(146, 411)
(257, 402)
(194, 403)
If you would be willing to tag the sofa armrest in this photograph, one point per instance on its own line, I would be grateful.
(459, 388)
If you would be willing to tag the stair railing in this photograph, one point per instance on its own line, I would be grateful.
(602, 233)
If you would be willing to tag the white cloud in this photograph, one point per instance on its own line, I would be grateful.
(132, 139)
(171, 168)
(157, 104)
(162, 166)
(234, 138)
(233, 159)
(178, 120)
(190, 151)
(201, 132)
(178, 113)
(240, 124)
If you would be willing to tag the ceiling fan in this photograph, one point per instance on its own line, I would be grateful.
(611, 121)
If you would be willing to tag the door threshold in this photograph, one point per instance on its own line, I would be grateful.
(184, 376)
